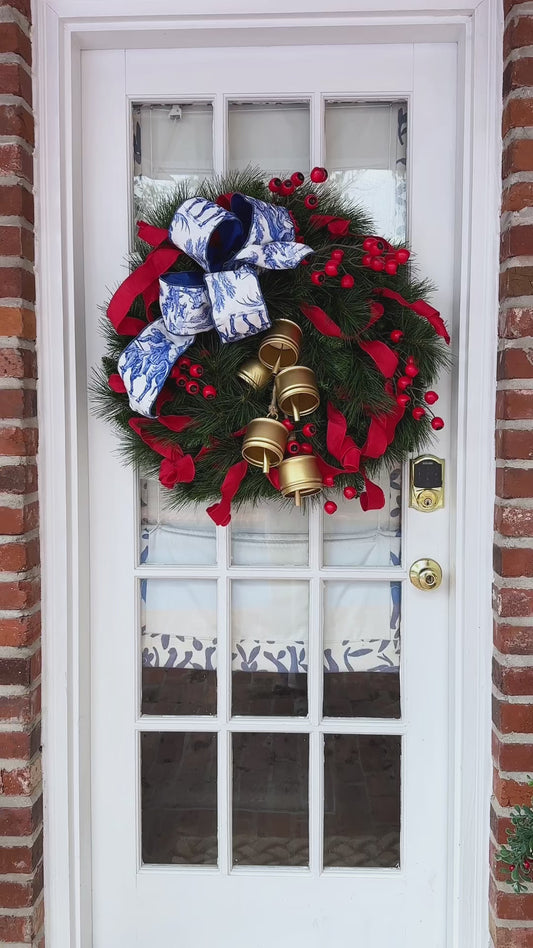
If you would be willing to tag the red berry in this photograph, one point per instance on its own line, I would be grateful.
(192, 387)
(347, 281)
(311, 201)
(330, 506)
(209, 391)
(375, 249)
(318, 175)
(331, 268)
(410, 358)
(396, 335)
(337, 255)
(318, 277)
(287, 188)
(366, 260)
(403, 400)
(328, 480)
(304, 263)
(309, 430)
(437, 423)
(378, 264)
(402, 256)
(411, 370)
(418, 412)
(288, 424)
(297, 179)
(181, 380)
(431, 397)
(274, 185)
(391, 268)
(403, 382)
(369, 243)
(293, 447)
(511, 866)
(184, 362)
(306, 448)
(527, 865)
(196, 371)
(350, 493)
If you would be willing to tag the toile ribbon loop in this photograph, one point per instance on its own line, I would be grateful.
(229, 246)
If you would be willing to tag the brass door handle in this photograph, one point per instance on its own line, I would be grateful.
(425, 574)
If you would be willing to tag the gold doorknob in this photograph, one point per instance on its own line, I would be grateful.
(425, 574)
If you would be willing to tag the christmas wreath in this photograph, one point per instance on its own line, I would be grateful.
(267, 344)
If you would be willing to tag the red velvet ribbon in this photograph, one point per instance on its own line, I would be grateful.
(372, 498)
(385, 359)
(337, 226)
(115, 383)
(179, 467)
(224, 200)
(220, 512)
(339, 443)
(142, 281)
(421, 308)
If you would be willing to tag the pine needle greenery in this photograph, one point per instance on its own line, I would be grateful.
(517, 856)
(346, 376)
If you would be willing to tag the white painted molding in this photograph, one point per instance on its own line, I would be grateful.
(62, 29)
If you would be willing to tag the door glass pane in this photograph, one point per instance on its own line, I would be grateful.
(172, 143)
(179, 798)
(266, 535)
(366, 153)
(270, 799)
(269, 646)
(362, 649)
(179, 646)
(184, 537)
(270, 135)
(355, 537)
(362, 800)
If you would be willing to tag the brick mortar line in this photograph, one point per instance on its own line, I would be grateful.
(13, 842)
(516, 95)
(516, 302)
(512, 660)
(8, 98)
(23, 424)
(517, 177)
(515, 621)
(25, 912)
(17, 342)
(19, 691)
(503, 464)
(15, 59)
(513, 739)
(19, 613)
(514, 424)
(16, 302)
(516, 12)
(520, 583)
(519, 503)
(511, 543)
(28, 575)
(30, 535)
(20, 764)
(15, 181)
(16, 263)
(19, 651)
(522, 133)
(22, 143)
(517, 53)
(514, 385)
(16, 220)
(511, 699)
(524, 343)
(26, 499)
(7, 383)
(501, 811)
(21, 802)
(10, 14)
(22, 877)
(510, 263)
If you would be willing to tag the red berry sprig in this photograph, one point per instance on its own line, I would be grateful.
(318, 175)
(330, 507)
(381, 256)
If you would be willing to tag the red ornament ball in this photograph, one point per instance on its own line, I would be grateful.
(418, 412)
(196, 371)
(293, 447)
(403, 382)
(287, 423)
(297, 179)
(511, 866)
(309, 430)
(350, 493)
(304, 262)
(274, 185)
(306, 448)
(184, 362)
(378, 264)
(318, 277)
(192, 387)
(402, 256)
(330, 506)
(287, 188)
(369, 243)
(347, 281)
(391, 267)
(328, 480)
(181, 380)
(411, 370)
(366, 260)
(209, 391)
(437, 423)
(431, 397)
(396, 335)
(527, 865)
(337, 255)
(403, 400)
(331, 268)
(318, 175)
(311, 201)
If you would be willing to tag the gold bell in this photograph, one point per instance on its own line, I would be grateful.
(297, 391)
(280, 346)
(299, 477)
(264, 443)
(255, 373)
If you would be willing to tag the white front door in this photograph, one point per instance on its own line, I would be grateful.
(269, 702)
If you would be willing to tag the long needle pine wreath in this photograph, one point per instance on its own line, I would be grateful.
(195, 351)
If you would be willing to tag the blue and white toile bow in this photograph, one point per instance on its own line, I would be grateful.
(229, 246)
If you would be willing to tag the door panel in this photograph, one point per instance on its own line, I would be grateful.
(253, 776)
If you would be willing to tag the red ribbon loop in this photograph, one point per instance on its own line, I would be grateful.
(181, 465)
(337, 226)
(150, 234)
(372, 498)
(177, 469)
(339, 444)
(220, 513)
(385, 359)
(157, 262)
(115, 383)
(421, 308)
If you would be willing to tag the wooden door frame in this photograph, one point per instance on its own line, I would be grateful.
(63, 29)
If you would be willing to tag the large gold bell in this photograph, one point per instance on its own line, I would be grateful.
(280, 346)
(255, 373)
(299, 477)
(264, 443)
(297, 391)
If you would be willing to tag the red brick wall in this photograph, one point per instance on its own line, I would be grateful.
(21, 869)
(512, 915)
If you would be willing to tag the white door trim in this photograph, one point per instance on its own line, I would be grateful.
(63, 29)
